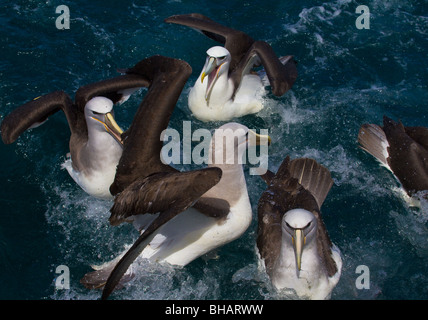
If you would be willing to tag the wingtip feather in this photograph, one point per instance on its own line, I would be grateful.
(372, 139)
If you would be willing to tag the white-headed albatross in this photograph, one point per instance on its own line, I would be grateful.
(293, 244)
(228, 87)
(95, 142)
(180, 215)
(402, 150)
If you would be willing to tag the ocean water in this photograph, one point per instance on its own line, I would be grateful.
(347, 77)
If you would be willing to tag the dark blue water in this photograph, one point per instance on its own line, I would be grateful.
(347, 77)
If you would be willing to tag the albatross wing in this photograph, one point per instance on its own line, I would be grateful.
(166, 193)
(245, 52)
(235, 41)
(36, 112)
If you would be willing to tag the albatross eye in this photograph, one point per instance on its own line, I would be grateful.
(307, 225)
(289, 229)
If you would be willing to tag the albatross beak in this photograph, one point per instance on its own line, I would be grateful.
(113, 128)
(298, 241)
(258, 139)
(208, 69)
(212, 70)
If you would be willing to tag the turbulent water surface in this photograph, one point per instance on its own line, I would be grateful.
(347, 77)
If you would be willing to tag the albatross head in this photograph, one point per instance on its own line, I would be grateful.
(230, 142)
(299, 228)
(216, 64)
(100, 117)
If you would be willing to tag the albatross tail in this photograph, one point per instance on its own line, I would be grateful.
(372, 139)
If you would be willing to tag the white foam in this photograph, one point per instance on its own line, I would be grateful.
(288, 111)
(325, 12)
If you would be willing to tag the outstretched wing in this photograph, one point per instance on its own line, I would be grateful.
(281, 74)
(116, 89)
(166, 193)
(35, 112)
(142, 144)
(245, 52)
(237, 42)
(159, 191)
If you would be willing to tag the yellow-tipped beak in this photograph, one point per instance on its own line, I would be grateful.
(208, 69)
(111, 122)
(111, 127)
(298, 241)
(258, 139)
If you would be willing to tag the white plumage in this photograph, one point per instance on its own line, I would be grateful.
(212, 97)
(309, 280)
(100, 154)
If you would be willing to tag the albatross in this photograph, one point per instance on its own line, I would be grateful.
(95, 141)
(401, 149)
(180, 215)
(228, 87)
(292, 241)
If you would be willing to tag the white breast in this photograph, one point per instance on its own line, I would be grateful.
(221, 107)
(101, 163)
(313, 281)
(192, 234)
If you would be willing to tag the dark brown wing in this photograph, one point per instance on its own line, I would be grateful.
(159, 191)
(281, 76)
(112, 89)
(36, 112)
(268, 176)
(109, 88)
(237, 42)
(269, 233)
(407, 158)
(419, 134)
(142, 145)
(212, 207)
(166, 193)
